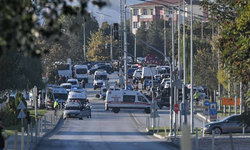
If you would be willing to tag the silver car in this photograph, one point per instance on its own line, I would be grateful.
(73, 110)
(229, 124)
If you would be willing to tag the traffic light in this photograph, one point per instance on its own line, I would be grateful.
(186, 93)
(115, 31)
(180, 94)
(167, 91)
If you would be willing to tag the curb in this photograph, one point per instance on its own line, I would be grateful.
(34, 144)
(204, 118)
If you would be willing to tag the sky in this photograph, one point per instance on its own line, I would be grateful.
(111, 12)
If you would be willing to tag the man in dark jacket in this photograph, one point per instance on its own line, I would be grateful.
(83, 83)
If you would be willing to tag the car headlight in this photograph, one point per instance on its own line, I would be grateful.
(207, 126)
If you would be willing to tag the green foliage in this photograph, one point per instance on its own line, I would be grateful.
(21, 25)
(205, 69)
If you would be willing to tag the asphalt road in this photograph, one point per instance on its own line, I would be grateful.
(105, 130)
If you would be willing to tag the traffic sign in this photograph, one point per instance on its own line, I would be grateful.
(176, 108)
(21, 106)
(206, 103)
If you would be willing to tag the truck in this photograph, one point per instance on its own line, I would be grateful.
(81, 72)
(126, 99)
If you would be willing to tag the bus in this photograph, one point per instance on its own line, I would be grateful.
(64, 69)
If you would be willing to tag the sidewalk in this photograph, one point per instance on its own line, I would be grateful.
(45, 125)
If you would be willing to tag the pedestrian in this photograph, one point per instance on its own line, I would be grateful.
(27, 117)
(55, 106)
(196, 96)
(2, 138)
(83, 83)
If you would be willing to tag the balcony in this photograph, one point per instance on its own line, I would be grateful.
(146, 17)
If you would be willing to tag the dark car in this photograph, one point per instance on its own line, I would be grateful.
(229, 124)
(163, 100)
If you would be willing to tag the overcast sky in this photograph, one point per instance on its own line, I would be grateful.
(110, 13)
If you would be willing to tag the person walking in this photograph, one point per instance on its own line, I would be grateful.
(28, 120)
(2, 138)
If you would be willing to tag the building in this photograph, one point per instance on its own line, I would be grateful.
(162, 9)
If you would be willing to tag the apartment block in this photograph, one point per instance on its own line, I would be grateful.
(149, 11)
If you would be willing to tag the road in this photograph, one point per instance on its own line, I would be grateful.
(105, 130)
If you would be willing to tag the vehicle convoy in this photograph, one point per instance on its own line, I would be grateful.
(125, 99)
(100, 79)
(81, 72)
(55, 93)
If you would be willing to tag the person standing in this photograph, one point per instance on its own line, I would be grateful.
(55, 107)
(196, 96)
(2, 138)
(83, 83)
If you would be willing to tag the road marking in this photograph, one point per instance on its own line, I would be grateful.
(135, 119)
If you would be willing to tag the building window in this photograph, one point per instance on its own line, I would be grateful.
(144, 12)
(151, 11)
(170, 11)
(135, 24)
(135, 12)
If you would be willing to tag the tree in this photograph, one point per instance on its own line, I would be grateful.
(233, 20)
(96, 48)
(142, 34)
(22, 21)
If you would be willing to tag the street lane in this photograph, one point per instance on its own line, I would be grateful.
(104, 131)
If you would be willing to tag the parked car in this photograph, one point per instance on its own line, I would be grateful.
(229, 124)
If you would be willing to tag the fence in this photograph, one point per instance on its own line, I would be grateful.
(35, 133)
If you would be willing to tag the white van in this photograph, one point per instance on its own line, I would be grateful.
(126, 99)
(100, 79)
(146, 72)
(81, 72)
(55, 93)
(77, 96)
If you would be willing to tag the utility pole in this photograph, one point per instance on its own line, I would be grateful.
(165, 42)
(125, 43)
(171, 80)
(135, 50)
(191, 71)
(84, 42)
(111, 42)
(179, 42)
(184, 64)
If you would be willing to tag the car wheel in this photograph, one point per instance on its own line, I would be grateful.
(110, 72)
(116, 110)
(87, 116)
(147, 110)
(217, 130)
(64, 118)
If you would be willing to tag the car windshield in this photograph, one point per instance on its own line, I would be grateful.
(72, 108)
(72, 82)
(60, 96)
(67, 86)
(101, 77)
(81, 71)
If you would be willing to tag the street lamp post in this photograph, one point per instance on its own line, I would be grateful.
(191, 71)
(125, 43)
